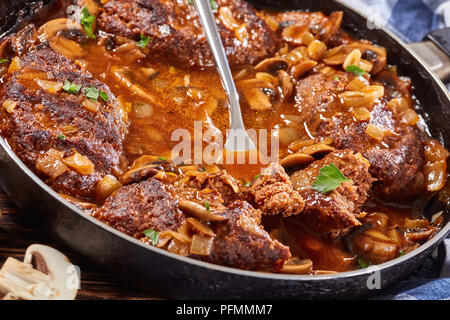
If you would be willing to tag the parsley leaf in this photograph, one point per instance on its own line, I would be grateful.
(3, 60)
(61, 137)
(248, 184)
(103, 95)
(207, 206)
(71, 87)
(143, 42)
(363, 264)
(91, 93)
(163, 158)
(355, 70)
(86, 21)
(330, 178)
(152, 235)
(213, 5)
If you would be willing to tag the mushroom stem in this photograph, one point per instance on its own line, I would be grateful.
(45, 274)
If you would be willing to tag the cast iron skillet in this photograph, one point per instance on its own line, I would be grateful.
(173, 276)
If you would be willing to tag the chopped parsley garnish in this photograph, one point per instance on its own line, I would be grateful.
(330, 178)
(143, 42)
(207, 206)
(163, 158)
(71, 87)
(3, 60)
(61, 137)
(355, 70)
(363, 264)
(91, 93)
(152, 235)
(401, 253)
(336, 78)
(202, 169)
(86, 21)
(247, 184)
(213, 5)
(103, 95)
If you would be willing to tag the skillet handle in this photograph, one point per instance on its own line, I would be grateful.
(435, 50)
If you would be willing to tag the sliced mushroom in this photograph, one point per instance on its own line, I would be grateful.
(254, 92)
(317, 148)
(296, 266)
(296, 160)
(302, 67)
(198, 211)
(52, 28)
(299, 144)
(45, 274)
(271, 64)
(68, 48)
(126, 78)
(287, 87)
(139, 173)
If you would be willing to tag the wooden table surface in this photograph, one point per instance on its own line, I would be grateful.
(15, 237)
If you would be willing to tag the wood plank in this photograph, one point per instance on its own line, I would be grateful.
(15, 237)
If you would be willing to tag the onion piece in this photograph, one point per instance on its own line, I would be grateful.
(14, 65)
(435, 175)
(434, 151)
(201, 245)
(375, 132)
(9, 105)
(199, 227)
(142, 110)
(49, 86)
(91, 105)
(410, 117)
(79, 163)
(361, 114)
(107, 186)
(51, 164)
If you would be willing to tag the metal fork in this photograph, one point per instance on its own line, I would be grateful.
(237, 139)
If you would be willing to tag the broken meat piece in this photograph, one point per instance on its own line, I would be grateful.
(141, 206)
(273, 193)
(243, 243)
(336, 212)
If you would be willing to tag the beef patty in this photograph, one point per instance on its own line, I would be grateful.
(49, 129)
(396, 162)
(174, 29)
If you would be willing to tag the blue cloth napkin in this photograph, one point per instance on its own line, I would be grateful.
(411, 20)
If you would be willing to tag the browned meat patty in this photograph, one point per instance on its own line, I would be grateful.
(175, 31)
(229, 188)
(141, 206)
(243, 243)
(273, 193)
(44, 120)
(336, 212)
(396, 162)
(240, 240)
